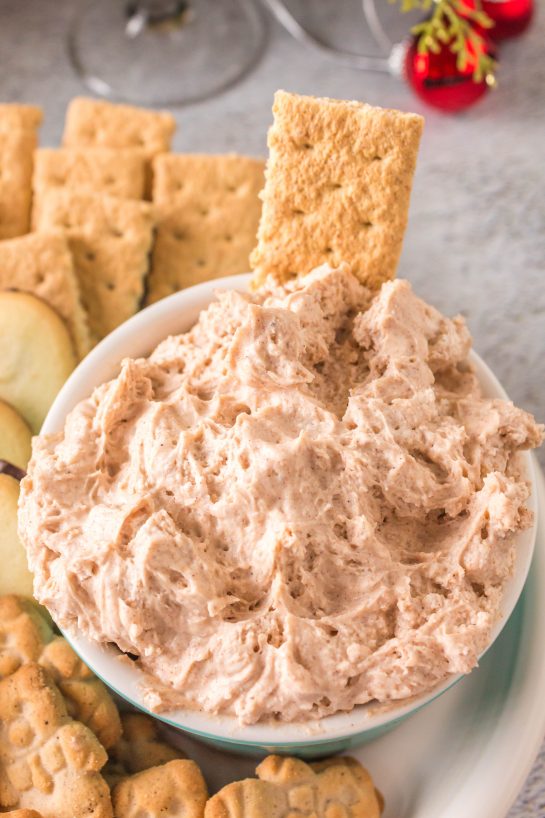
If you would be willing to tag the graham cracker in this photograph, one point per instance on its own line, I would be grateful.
(20, 117)
(208, 216)
(96, 122)
(338, 183)
(18, 140)
(110, 240)
(41, 263)
(115, 172)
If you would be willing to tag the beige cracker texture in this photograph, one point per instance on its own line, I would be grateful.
(338, 183)
(26, 636)
(111, 171)
(91, 122)
(18, 141)
(208, 216)
(110, 240)
(289, 787)
(48, 762)
(139, 747)
(172, 790)
(20, 117)
(41, 264)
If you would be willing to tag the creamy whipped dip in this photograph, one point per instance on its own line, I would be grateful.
(300, 505)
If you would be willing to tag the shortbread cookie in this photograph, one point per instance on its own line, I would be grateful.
(99, 123)
(289, 787)
(18, 141)
(22, 813)
(36, 355)
(139, 747)
(15, 437)
(41, 263)
(209, 213)
(48, 762)
(14, 574)
(173, 790)
(111, 171)
(338, 183)
(27, 636)
(110, 240)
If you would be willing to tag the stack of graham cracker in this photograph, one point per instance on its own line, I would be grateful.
(76, 231)
(338, 185)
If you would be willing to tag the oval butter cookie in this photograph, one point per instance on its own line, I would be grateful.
(15, 578)
(36, 355)
(15, 437)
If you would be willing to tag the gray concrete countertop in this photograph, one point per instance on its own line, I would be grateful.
(476, 238)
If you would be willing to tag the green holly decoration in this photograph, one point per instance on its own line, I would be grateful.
(458, 25)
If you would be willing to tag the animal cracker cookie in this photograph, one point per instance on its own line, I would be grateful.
(48, 762)
(110, 240)
(139, 747)
(209, 211)
(26, 636)
(18, 141)
(288, 787)
(338, 183)
(114, 172)
(41, 263)
(169, 791)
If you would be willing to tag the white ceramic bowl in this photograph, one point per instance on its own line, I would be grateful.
(136, 338)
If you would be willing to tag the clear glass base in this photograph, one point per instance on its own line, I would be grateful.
(165, 52)
(362, 34)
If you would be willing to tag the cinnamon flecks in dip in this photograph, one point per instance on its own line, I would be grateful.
(302, 504)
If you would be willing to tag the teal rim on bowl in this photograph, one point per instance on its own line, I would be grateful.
(137, 337)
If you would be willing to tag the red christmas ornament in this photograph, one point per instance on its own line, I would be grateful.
(511, 17)
(437, 79)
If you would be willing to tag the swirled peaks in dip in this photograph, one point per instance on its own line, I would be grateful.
(302, 504)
